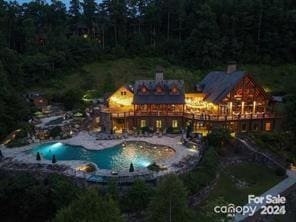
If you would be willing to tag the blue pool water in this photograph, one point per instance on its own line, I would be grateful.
(119, 157)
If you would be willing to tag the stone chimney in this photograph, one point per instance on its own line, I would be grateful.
(231, 67)
(159, 74)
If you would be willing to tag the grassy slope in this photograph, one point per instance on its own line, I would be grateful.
(257, 178)
(121, 71)
(125, 71)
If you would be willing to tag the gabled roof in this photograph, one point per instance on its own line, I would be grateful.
(218, 84)
(165, 97)
(108, 95)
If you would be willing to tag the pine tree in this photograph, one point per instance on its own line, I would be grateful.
(90, 206)
(169, 202)
(54, 160)
(38, 157)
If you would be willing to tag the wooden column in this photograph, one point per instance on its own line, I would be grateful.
(254, 107)
(243, 108)
(230, 108)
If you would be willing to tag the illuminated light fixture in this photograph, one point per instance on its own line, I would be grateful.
(122, 101)
(144, 163)
(56, 145)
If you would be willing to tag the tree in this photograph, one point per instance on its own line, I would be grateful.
(202, 45)
(25, 197)
(188, 130)
(74, 14)
(89, 13)
(112, 188)
(54, 160)
(62, 190)
(169, 202)
(138, 197)
(74, 8)
(219, 137)
(90, 206)
(131, 169)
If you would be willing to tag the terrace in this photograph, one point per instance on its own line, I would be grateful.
(171, 157)
(201, 117)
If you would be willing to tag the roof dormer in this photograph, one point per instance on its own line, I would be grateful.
(174, 89)
(159, 89)
(143, 89)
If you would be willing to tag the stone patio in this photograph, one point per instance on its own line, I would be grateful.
(89, 142)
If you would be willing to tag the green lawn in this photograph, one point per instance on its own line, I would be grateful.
(280, 143)
(234, 186)
(107, 75)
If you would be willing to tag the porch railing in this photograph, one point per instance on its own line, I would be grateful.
(201, 117)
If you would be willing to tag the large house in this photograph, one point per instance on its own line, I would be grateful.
(228, 98)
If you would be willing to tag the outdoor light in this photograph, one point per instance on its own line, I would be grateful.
(56, 145)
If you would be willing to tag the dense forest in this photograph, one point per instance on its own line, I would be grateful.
(41, 41)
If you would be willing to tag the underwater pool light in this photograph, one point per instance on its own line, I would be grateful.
(56, 145)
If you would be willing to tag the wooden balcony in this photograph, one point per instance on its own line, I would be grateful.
(203, 117)
(146, 114)
(212, 117)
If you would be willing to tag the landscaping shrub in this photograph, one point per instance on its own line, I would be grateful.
(280, 143)
(154, 167)
(172, 130)
(53, 159)
(131, 169)
(219, 137)
(56, 131)
(38, 157)
(146, 129)
(204, 173)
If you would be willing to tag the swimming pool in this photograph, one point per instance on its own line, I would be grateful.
(118, 157)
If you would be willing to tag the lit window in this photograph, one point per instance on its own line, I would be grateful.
(159, 89)
(267, 126)
(144, 90)
(174, 90)
(175, 123)
(143, 123)
(158, 124)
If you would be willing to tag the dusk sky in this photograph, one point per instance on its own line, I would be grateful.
(65, 1)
